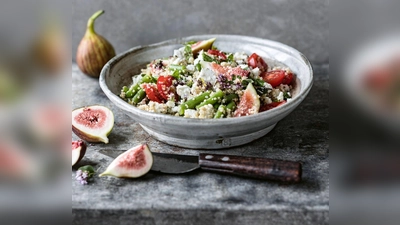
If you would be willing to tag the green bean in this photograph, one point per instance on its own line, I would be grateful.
(216, 106)
(231, 106)
(191, 104)
(212, 99)
(230, 97)
(176, 67)
(139, 96)
(220, 112)
(135, 88)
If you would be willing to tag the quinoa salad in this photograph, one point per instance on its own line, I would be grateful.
(201, 81)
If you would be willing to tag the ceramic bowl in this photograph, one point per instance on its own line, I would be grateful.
(206, 133)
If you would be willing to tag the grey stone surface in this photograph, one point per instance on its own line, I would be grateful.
(127, 23)
(208, 198)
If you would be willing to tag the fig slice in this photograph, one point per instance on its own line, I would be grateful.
(78, 151)
(93, 123)
(133, 163)
(249, 103)
(202, 45)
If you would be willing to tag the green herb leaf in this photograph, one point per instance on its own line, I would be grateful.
(230, 58)
(89, 169)
(198, 66)
(188, 49)
(207, 58)
(176, 74)
(245, 82)
(286, 95)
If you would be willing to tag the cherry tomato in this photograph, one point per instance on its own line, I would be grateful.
(166, 88)
(256, 61)
(274, 78)
(271, 105)
(152, 92)
(220, 54)
(288, 78)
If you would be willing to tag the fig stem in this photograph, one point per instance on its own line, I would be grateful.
(90, 24)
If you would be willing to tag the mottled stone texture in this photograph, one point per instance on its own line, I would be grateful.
(128, 23)
(208, 198)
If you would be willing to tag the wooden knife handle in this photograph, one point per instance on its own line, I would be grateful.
(261, 168)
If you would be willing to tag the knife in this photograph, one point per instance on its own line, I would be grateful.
(261, 168)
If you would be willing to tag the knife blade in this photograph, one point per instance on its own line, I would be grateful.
(261, 168)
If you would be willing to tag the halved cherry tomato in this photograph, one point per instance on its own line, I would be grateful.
(274, 78)
(152, 92)
(288, 78)
(256, 61)
(271, 105)
(165, 87)
(217, 53)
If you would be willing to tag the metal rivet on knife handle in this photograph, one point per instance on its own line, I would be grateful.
(261, 168)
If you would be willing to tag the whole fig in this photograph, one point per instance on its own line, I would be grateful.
(94, 51)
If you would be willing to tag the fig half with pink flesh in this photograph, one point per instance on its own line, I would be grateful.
(93, 123)
(202, 45)
(133, 163)
(249, 102)
(78, 151)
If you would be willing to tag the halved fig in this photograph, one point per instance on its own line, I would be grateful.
(249, 103)
(133, 163)
(93, 123)
(202, 45)
(78, 151)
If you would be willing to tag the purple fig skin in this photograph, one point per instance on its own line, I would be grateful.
(82, 152)
(85, 136)
(94, 51)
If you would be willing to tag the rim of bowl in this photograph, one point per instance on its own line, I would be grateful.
(206, 122)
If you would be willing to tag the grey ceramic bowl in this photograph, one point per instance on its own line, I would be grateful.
(206, 133)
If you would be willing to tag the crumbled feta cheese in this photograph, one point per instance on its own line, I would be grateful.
(199, 58)
(280, 97)
(191, 113)
(206, 112)
(175, 109)
(180, 53)
(170, 104)
(240, 57)
(183, 91)
(207, 75)
(256, 72)
(190, 68)
(267, 85)
(244, 66)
